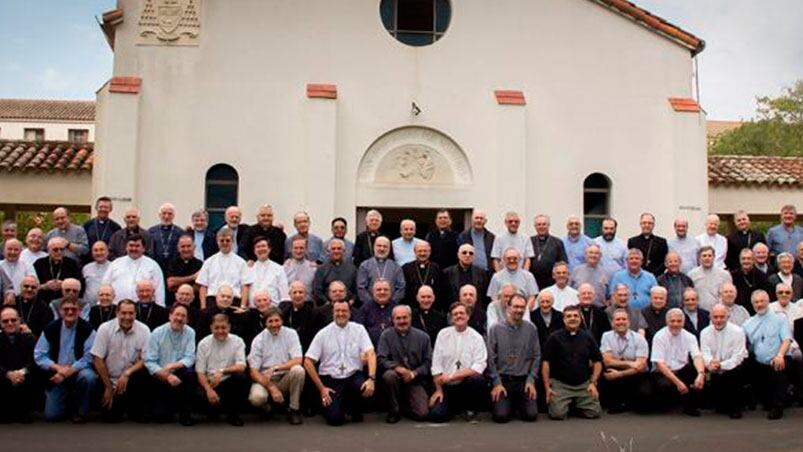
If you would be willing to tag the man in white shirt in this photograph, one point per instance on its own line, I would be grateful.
(220, 366)
(785, 306)
(512, 238)
(565, 295)
(676, 375)
(708, 278)
(34, 240)
(625, 382)
(224, 268)
(118, 355)
(715, 240)
(723, 347)
(686, 247)
(458, 361)
(95, 271)
(267, 275)
(14, 267)
(275, 363)
(125, 271)
(341, 350)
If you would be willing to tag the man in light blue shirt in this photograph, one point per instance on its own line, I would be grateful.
(63, 352)
(170, 359)
(769, 341)
(784, 237)
(614, 249)
(637, 280)
(404, 246)
(575, 242)
(686, 247)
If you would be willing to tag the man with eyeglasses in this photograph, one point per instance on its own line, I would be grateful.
(54, 269)
(70, 290)
(786, 275)
(17, 369)
(34, 313)
(465, 272)
(63, 352)
(339, 229)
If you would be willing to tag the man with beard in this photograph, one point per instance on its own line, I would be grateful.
(340, 351)
(653, 248)
(613, 249)
(514, 357)
(125, 271)
(404, 355)
(381, 266)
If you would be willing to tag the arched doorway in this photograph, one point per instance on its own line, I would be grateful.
(596, 203)
(222, 186)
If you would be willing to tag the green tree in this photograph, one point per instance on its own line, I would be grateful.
(777, 131)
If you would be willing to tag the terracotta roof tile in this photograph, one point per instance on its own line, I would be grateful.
(755, 170)
(49, 156)
(42, 109)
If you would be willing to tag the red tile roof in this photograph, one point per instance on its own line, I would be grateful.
(51, 110)
(684, 104)
(755, 170)
(49, 156)
(657, 24)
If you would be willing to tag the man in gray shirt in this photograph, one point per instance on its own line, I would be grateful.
(514, 356)
(405, 356)
(592, 272)
(77, 242)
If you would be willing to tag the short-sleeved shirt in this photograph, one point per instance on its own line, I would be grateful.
(569, 356)
(639, 286)
(268, 350)
(766, 333)
(120, 349)
(224, 269)
(674, 350)
(214, 355)
(523, 280)
(339, 350)
(628, 347)
(518, 241)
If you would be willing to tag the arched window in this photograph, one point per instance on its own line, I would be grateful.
(596, 203)
(222, 184)
(416, 22)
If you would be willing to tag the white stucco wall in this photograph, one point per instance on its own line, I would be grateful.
(54, 131)
(757, 200)
(596, 86)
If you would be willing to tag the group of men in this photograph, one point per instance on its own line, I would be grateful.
(148, 322)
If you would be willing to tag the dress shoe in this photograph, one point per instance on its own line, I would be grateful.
(774, 414)
(235, 420)
(294, 417)
(393, 417)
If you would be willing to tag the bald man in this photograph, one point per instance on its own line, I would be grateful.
(117, 244)
(77, 242)
(54, 269)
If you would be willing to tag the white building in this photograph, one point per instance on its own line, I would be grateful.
(326, 106)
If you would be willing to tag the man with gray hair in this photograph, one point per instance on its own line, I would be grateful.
(785, 236)
(678, 364)
(380, 266)
(512, 238)
(54, 269)
(165, 236)
(13, 267)
(404, 356)
(404, 246)
(336, 268)
(9, 232)
(480, 238)
(204, 243)
(743, 237)
(263, 228)
(77, 243)
(301, 221)
(786, 266)
(512, 273)
(763, 262)
(708, 278)
(594, 273)
(544, 251)
(575, 242)
(653, 317)
(637, 279)
(674, 280)
(224, 268)
(723, 347)
(34, 244)
(364, 242)
(727, 297)
(687, 247)
(711, 237)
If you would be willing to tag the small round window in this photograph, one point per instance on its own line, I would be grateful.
(416, 22)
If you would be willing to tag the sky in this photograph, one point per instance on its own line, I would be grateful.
(54, 49)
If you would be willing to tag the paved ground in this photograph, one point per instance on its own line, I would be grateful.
(669, 432)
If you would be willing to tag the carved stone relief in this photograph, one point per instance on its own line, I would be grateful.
(170, 22)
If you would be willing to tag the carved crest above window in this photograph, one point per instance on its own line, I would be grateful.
(170, 22)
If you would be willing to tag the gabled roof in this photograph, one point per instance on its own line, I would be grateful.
(655, 23)
(46, 156)
(755, 170)
(48, 110)
(111, 19)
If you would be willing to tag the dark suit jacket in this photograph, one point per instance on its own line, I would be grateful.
(413, 278)
(703, 319)
(69, 269)
(797, 286)
(444, 247)
(654, 251)
(544, 331)
(451, 285)
(17, 356)
(153, 319)
(465, 237)
(209, 245)
(598, 324)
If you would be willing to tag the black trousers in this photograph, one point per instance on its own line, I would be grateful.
(769, 385)
(232, 392)
(469, 394)
(727, 390)
(133, 401)
(667, 395)
(169, 399)
(634, 392)
(516, 400)
(16, 401)
(346, 399)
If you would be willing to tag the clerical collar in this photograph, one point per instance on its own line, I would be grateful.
(165, 227)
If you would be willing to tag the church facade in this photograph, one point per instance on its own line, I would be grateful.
(549, 106)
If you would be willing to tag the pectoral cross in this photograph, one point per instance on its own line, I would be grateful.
(458, 364)
(342, 368)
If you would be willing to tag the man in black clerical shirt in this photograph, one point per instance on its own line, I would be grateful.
(425, 318)
(264, 228)
(422, 272)
(364, 242)
(165, 237)
(148, 312)
(464, 273)
(743, 237)
(652, 247)
(443, 241)
(183, 269)
(547, 249)
(17, 368)
(34, 313)
(101, 228)
(54, 269)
